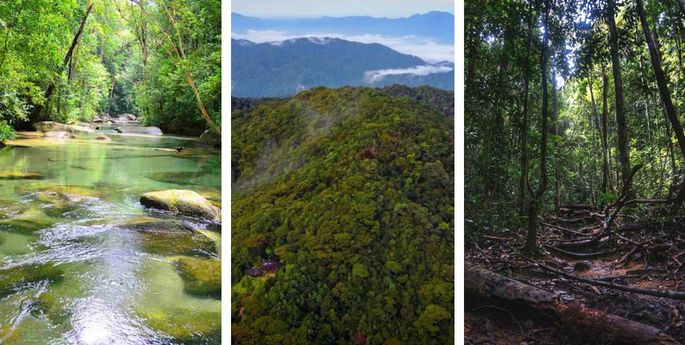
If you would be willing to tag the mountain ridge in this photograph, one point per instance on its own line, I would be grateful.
(283, 68)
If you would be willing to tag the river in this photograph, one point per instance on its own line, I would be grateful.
(81, 260)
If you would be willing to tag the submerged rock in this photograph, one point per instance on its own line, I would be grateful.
(185, 202)
(15, 175)
(200, 276)
(210, 138)
(50, 304)
(16, 277)
(103, 137)
(171, 237)
(186, 326)
(177, 243)
(72, 193)
(50, 126)
(27, 222)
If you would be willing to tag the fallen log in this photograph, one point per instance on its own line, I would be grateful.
(593, 323)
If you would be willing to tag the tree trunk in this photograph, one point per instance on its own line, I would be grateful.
(524, 125)
(557, 171)
(622, 127)
(664, 91)
(534, 204)
(67, 57)
(484, 284)
(606, 181)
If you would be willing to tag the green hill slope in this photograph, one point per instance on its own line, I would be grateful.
(351, 191)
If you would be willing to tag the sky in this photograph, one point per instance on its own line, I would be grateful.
(339, 8)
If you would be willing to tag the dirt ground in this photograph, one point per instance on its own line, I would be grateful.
(634, 253)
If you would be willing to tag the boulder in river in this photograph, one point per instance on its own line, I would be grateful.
(149, 130)
(51, 126)
(59, 135)
(210, 138)
(200, 276)
(103, 137)
(185, 202)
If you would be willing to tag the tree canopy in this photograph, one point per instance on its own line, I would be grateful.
(70, 60)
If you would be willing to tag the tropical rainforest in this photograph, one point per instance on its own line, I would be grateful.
(110, 203)
(343, 217)
(574, 171)
(70, 60)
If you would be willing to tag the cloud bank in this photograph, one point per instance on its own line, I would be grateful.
(378, 75)
(423, 47)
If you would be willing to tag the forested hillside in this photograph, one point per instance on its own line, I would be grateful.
(574, 153)
(342, 218)
(70, 60)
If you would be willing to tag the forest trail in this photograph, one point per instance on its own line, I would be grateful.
(631, 271)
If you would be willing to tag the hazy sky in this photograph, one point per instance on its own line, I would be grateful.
(339, 8)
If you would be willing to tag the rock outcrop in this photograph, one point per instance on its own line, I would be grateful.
(185, 202)
(210, 138)
(51, 126)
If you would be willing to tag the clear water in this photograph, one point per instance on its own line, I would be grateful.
(77, 217)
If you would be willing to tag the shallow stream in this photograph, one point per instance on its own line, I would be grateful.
(81, 260)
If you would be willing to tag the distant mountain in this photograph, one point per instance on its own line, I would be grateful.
(287, 67)
(437, 25)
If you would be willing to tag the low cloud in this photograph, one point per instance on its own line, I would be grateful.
(424, 47)
(378, 75)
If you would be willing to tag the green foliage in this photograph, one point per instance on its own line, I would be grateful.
(164, 98)
(6, 131)
(502, 52)
(119, 65)
(351, 190)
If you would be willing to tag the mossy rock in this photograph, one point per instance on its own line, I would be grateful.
(200, 276)
(186, 326)
(185, 202)
(213, 197)
(50, 126)
(16, 175)
(11, 278)
(178, 243)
